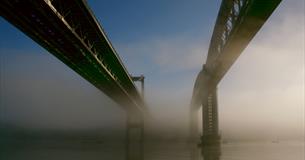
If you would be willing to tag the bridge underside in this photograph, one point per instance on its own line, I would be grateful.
(69, 31)
(237, 23)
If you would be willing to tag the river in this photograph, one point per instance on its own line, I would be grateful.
(286, 150)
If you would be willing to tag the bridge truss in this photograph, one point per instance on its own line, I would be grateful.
(237, 23)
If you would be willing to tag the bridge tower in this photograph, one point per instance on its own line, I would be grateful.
(210, 133)
(135, 129)
(135, 136)
(210, 139)
(205, 96)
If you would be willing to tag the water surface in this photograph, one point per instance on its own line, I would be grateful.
(152, 151)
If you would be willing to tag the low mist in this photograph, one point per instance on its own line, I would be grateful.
(261, 97)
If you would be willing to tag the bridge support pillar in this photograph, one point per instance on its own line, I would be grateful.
(210, 140)
(135, 137)
(194, 131)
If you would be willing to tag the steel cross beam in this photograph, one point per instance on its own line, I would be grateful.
(237, 23)
(69, 30)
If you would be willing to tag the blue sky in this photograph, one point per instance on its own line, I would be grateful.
(167, 41)
(138, 30)
(130, 21)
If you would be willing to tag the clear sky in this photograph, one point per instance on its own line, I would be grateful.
(167, 41)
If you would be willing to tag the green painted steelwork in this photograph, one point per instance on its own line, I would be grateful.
(69, 31)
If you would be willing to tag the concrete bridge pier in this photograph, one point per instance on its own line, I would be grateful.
(210, 139)
(135, 137)
(194, 128)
